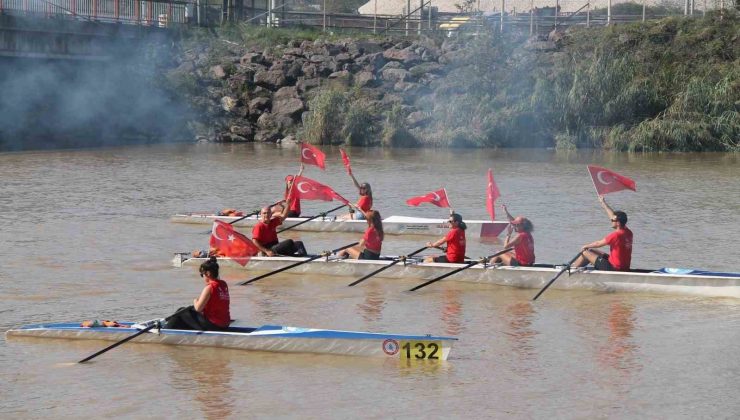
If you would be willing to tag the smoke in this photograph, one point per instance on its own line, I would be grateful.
(81, 103)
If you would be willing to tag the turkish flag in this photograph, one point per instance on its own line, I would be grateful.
(606, 181)
(492, 193)
(308, 189)
(345, 159)
(438, 198)
(312, 155)
(232, 243)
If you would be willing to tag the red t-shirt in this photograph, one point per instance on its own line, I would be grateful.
(372, 240)
(455, 245)
(620, 249)
(217, 308)
(365, 203)
(524, 250)
(294, 205)
(266, 233)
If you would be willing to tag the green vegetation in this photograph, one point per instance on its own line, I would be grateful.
(672, 84)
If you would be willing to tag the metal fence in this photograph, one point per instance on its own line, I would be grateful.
(138, 12)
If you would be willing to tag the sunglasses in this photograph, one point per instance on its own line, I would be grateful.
(613, 219)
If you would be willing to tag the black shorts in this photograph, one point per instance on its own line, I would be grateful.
(292, 213)
(366, 254)
(443, 259)
(602, 263)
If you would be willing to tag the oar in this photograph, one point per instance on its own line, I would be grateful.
(250, 214)
(466, 266)
(131, 337)
(311, 218)
(398, 260)
(567, 267)
(280, 270)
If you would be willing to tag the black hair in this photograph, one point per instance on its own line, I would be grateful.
(458, 218)
(621, 217)
(210, 266)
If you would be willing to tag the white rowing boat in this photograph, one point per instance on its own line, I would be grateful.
(393, 225)
(664, 281)
(273, 338)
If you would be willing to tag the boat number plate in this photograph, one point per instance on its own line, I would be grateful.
(430, 350)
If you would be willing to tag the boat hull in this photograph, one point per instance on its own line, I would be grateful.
(267, 338)
(394, 225)
(523, 277)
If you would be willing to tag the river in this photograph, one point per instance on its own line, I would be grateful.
(85, 235)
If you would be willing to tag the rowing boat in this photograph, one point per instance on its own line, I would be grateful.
(393, 225)
(272, 338)
(663, 281)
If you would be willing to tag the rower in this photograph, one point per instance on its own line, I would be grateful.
(371, 242)
(210, 310)
(294, 209)
(619, 241)
(455, 240)
(364, 204)
(264, 235)
(523, 243)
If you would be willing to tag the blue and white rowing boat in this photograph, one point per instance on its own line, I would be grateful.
(663, 281)
(272, 338)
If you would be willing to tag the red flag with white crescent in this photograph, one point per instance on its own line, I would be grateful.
(492, 193)
(438, 198)
(345, 160)
(312, 155)
(308, 189)
(607, 181)
(232, 243)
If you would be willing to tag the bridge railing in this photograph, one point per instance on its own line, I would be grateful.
(138, 12)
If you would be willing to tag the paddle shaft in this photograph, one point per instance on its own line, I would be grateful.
(457, 270)
(386, 267)
(129, 338)
(280, 270)
(311, 218)
(567, 266)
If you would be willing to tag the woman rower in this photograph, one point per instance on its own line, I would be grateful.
(210, 310)
(523, 243)
(294, 207)
(364, 204)
(371, 242)
(264, 235)
(455, 240)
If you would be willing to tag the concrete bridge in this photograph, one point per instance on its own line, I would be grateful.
(82, 29)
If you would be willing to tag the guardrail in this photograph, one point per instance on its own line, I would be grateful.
(135, 12)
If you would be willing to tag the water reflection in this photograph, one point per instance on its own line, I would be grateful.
(451, 312)
(619, 351)
(206, 373)
(371, 308)
(519, 318)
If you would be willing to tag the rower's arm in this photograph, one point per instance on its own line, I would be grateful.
(437, 243)
(262, 248)
(513, 242)
(595, 244)
(357, 184)
(283, 214)
(508, 215)
(609, 211)
(202, 300)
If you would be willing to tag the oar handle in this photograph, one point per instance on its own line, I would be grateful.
(400, 259)
(131, 337)
(311, 218)
(567, 267)
(280, 270)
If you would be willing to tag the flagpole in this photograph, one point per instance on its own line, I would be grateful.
(448, 200)
(592, 182)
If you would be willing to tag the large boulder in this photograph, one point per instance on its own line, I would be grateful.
(405, 56)
(304, 85)
(251, 58)
(397, 75)
(217, 72)
(364, 79)
(290, 107)
(228, 103)
(271, 79)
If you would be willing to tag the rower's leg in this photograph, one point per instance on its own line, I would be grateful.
(300, 249)
(587, 257)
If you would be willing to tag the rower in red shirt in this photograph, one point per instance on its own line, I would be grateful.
(455, 240)
(210, 310)
(619, 257)
(371, 242)
(523, 243)
(365, 203)
(294, 207)
(264, 235)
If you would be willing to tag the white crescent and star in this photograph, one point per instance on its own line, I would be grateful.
(600, 177)
(313, 156)
(301, 189)
(215, 235)
(231, 238)
(436, 196)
